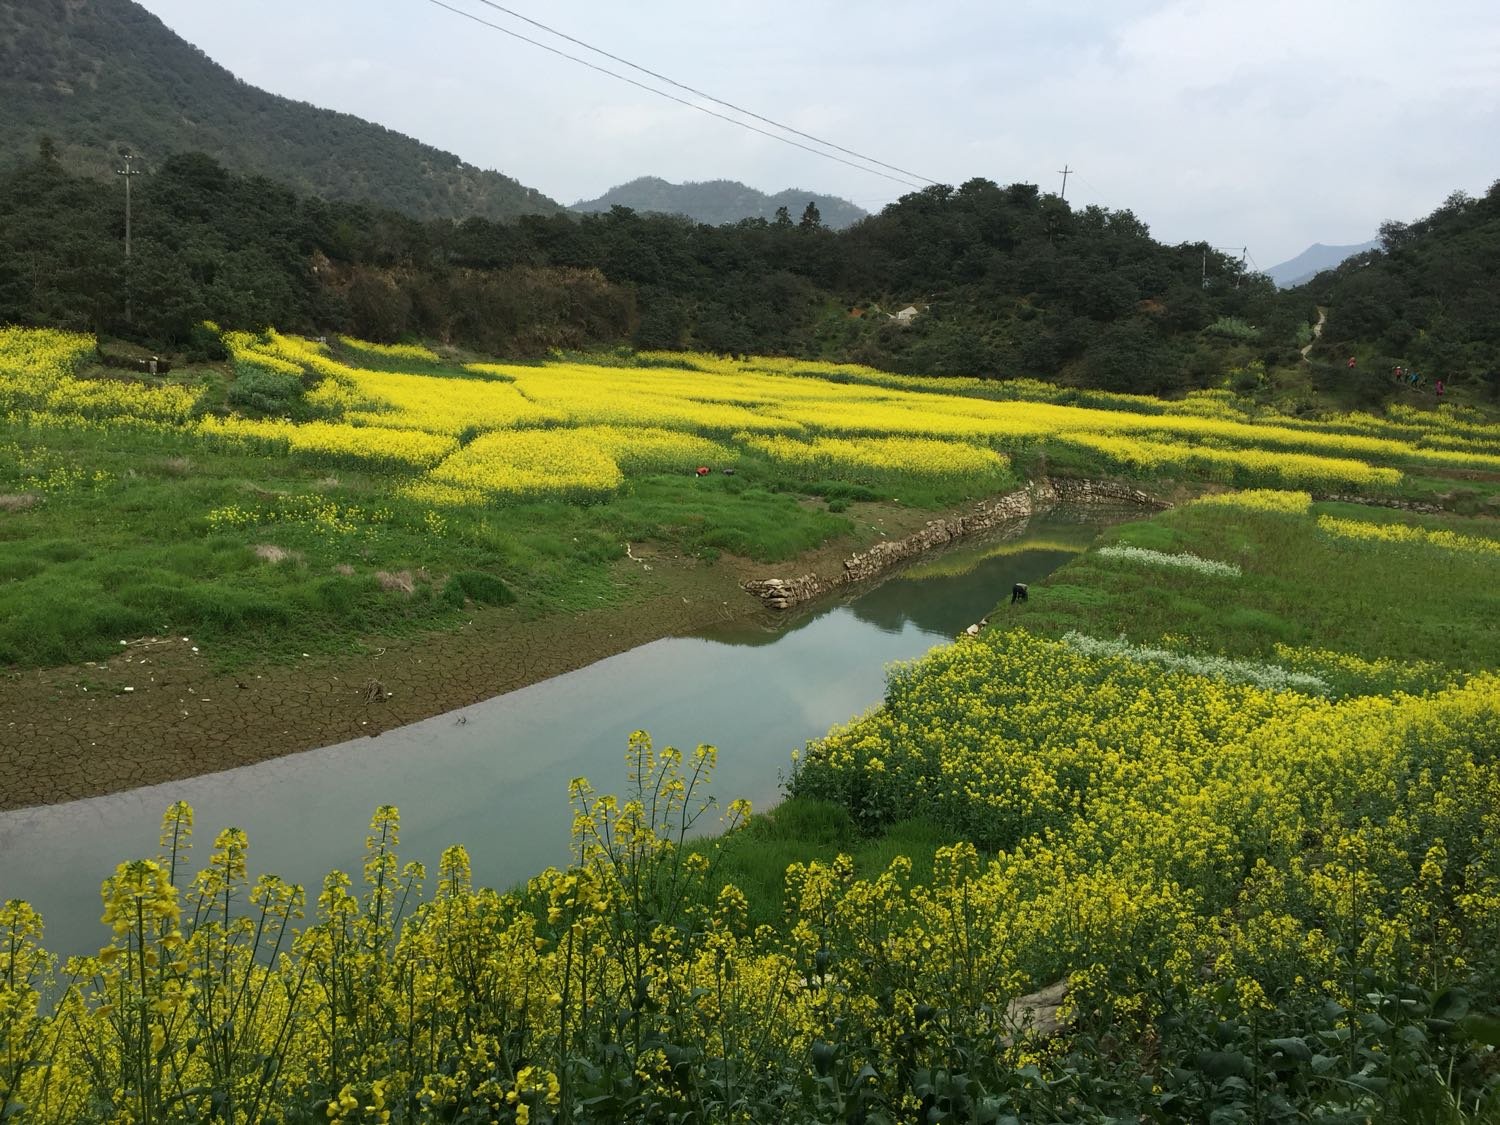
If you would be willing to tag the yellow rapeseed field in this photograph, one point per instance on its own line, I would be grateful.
(679, 411)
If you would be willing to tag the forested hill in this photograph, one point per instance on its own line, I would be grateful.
(103, 77)
(977, 280)
(716, 202)
(1428, 298)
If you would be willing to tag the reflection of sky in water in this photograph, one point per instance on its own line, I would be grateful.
(494, 776)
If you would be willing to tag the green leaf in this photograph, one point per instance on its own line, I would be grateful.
(1223, 1064)
(1453, 1004)
(1295, 1048)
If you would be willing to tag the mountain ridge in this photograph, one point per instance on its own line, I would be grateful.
(1313, 261)
(717, 202)
(60, 77)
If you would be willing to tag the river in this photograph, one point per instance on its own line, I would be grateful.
(494, 776)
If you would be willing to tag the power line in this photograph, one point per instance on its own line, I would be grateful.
(700, 93)
(684, 101)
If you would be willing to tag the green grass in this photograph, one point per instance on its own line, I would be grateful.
(119, 543)
(1299, 587)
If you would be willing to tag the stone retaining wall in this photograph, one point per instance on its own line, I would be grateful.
(783, 593)
(1381, 502)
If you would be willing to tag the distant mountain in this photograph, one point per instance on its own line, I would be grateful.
(717, 202)
(1313, 261)
(103, 77)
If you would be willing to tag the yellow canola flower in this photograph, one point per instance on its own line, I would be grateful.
(334, 441)
(37, 368)
(1405, 533)
(392, 351)
(648, 449)
(1261, 500)
(889, 456)
(442, 405)
(1232, 464)
(523, 463)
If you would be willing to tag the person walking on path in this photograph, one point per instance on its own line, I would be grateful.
(1438, 386)
(1351, 363)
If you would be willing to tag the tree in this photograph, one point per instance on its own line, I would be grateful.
(811, 219)
(783, 217)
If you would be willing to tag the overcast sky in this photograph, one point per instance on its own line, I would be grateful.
(1267, 123)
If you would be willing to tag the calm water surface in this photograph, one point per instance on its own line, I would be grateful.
(494, 776)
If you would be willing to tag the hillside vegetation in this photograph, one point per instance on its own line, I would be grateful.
(107, 77)
(717, 202)
(1004, 281)
(1428, 298)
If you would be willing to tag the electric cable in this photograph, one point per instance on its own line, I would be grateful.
(674, 97)
(700, 93)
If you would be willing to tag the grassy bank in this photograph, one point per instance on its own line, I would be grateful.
(304, 495)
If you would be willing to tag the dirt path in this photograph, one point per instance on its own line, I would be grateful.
(159, 711)
(1317, 333)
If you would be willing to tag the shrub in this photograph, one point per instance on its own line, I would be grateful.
(270, 393)
(478, 586)
(1232, 328)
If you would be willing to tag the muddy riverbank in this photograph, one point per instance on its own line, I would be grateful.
(160, 711)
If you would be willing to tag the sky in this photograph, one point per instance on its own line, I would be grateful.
(1267, 124)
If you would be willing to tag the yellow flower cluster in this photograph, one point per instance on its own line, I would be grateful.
(880, 457)
(759, 403)
(443, 406)
(43, 353)
(1232, 465)
(249, 349)
(520, 463)
(647, 449)
(316, 512)
(1261, 500)
(332, 441)
(392, 351)
(36, 377)
(1405, 533)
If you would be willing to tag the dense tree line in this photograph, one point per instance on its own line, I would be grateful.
(1428, 298)
(248, 252)
(1006, 280)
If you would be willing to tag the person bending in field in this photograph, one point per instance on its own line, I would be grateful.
(1018, 593)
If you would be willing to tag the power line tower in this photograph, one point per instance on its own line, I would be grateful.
(1065, 172)
(128, 172)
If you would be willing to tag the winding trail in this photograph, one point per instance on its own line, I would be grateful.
(1317, 333)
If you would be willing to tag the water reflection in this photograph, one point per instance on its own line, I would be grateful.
(494, 776)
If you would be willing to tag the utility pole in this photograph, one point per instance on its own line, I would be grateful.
(1064, 172)
(127, 172)
(1244, 253)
